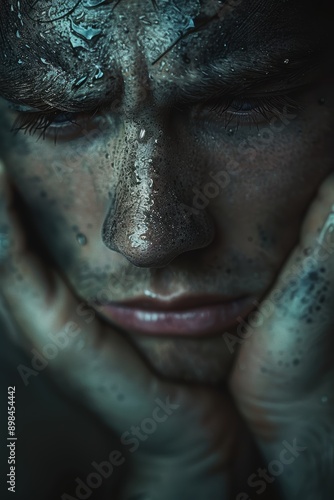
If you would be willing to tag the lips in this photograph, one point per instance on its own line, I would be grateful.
(188, 316)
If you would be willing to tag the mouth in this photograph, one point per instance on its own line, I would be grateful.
(189, 316)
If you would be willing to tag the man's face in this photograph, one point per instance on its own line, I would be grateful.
(175, 175)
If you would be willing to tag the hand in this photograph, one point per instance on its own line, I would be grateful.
(283, 378)
(194, 431)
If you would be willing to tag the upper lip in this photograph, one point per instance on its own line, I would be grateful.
(177, 304)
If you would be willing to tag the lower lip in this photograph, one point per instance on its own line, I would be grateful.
(197, 322)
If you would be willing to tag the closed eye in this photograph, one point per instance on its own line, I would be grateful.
(254, 110)
(56, 125)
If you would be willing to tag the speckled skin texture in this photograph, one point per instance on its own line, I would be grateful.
(122, 189)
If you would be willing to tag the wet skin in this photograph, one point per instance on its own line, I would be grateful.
(125, 189)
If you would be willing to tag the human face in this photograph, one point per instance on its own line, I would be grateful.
(236, 110)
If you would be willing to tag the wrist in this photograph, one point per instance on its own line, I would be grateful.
(167, 478)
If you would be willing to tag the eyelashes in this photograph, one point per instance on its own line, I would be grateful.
(55, 125)
(239, 111)
(254, 111)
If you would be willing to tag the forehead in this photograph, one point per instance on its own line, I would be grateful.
(76, 43)
(152, 25)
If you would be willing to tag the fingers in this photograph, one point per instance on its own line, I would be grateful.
(287, 353)
(96, 363)
(22, 275)
(85, 353)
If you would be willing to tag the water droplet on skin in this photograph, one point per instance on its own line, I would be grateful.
(286, 61)
(142, 134)
(80, 82)
(85, 33)
(190, 24)
(77, 42)
(99, 74)
(81, 239)
(19, 15)
(79, 16)
(144, 20)
(90, 4)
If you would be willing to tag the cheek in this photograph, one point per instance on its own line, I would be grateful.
(271, 177)
(67, 208)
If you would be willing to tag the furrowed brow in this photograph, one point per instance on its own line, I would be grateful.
(235, 76)
(63, 96)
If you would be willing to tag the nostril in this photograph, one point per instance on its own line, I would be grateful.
(157, 247)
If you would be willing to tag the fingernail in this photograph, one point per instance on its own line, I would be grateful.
(326, 236)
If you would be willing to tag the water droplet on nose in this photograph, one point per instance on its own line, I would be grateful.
(142, 135)
(144, 20)
(81, 239)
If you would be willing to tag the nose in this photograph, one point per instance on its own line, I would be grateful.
(150, 219)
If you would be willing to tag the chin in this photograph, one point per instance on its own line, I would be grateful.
(186, 360)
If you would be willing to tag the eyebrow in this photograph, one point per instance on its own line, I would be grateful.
(279, 71)
(227, 76)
